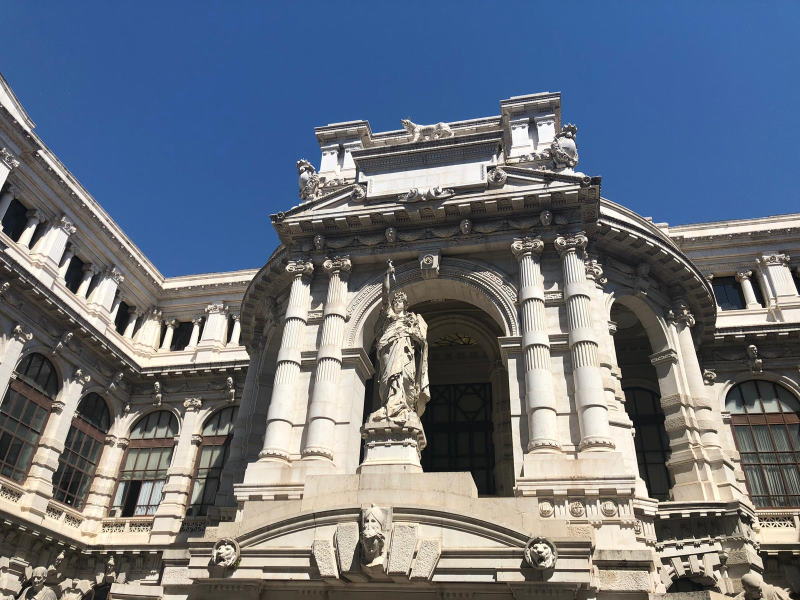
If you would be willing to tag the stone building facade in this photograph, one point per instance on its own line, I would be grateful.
(613, 404)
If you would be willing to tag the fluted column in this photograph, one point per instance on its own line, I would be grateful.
(744, 279)
(540, 399)
(583, 347)
(237, 330)
(195, 335)
(167, 343)
(89, 271)
(322, 412)
(281, 406)
(34, 218)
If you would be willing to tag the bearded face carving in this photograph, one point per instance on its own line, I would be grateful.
(540, 553)
(373, 536)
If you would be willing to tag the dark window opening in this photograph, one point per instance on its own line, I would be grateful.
(74, 274)
(40, 230)
(458, 425)
(757, 292)
(651, 442)
(121, 320)
(15, 219)
(182, 335)
(217, 435)
(685, 584)
(729, 293)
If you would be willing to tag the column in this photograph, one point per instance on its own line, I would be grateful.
(171, 324)
(131, 324)
(216, 324)
(89, 271)
(8, 162)
(237, 330)
(105, 293)
(39, 482)
(115, 307)
(775, 268)
(5, 201)
(52, 244)
(321, 419)
(195, 332)
(684, 320)
(540, 399)
(100, 495)
(14, 345)
(743, 277)
(34, 218)
(178, 486)
(281, 406)
(149, 333)
(583, 347)
(69, 253)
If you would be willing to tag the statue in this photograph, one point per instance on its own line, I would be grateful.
(225, 553)
(540, 553)
(37, 590)
(307, 180)
(373, 536)
(564, 150)
(754, 588)
(426, 132)
(403, 359)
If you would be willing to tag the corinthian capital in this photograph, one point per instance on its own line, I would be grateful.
(8, 158)
(299, 267)
(571, 243)
(524, 246)
(337, 264)
(66, 224)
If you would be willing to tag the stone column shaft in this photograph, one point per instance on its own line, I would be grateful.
(322, 412)
(587, 377)
(540, 399)
(281, 407)
(34, 218)
(69, 253)
(131, 324)
(195, 336)
(171, 324)
(8, 162)
(88, 272)
(5, 201)
(237, 330)
(744, 278)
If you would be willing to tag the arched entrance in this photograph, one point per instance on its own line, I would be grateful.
(642, 401)
(467, 421)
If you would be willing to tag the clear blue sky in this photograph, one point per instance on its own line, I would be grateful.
(185, 119)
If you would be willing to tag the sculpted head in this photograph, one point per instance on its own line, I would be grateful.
(540, 553)
(373, 524)
(752, 583)
(38, 577)
(399, 302)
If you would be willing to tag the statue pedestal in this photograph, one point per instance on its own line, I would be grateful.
(392, 448)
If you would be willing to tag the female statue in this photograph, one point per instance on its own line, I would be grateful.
(403, 358)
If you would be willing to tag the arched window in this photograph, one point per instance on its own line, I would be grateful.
(82, 450)
(144, 469)
(652, 446)
(217, 434)
(24, 412)
(766, 426)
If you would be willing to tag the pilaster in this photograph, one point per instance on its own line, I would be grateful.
(12, 351)
(8, 162)
(100, 495)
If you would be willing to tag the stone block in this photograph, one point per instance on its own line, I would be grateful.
(324, 559)
(401, 552)
(346, 540)
(426, 560)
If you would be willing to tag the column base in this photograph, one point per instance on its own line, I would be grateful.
(544, 447)
(389, 447)
(596, 444)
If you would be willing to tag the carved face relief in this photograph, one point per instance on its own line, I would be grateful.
(391, 234)
(540, 553)
(373, 537)
(38, 577)
(225, 553)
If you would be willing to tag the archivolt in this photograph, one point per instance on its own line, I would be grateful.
(495, 293)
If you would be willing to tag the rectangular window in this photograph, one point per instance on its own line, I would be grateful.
(74, 274)
(728, 292)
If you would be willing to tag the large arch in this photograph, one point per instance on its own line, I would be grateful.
(474, 282)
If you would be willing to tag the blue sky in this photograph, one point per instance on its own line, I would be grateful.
(185, 119)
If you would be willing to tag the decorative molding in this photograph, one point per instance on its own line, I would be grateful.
(11, 161)
(193, 404)
(66, 224)
(773, 260)
(668, 356)
(215, 308)
(422, 194)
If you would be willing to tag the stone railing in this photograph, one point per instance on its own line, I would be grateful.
(64, 515)
(127, 526)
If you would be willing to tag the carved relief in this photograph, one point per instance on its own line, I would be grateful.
(226, 553)
(372, 538)
(426, 132)
(308, 181)
(421, 194)
(496, 177)
(540, 553)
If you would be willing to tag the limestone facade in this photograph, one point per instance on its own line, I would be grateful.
(614, 403)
